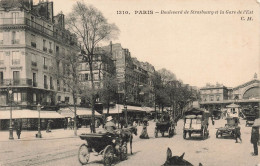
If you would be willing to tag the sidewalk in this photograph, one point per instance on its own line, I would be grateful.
(31, 135)
(55, 134)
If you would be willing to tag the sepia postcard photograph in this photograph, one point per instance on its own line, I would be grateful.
(129, 82)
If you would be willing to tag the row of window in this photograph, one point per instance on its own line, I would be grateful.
(86, 77)
(211, 98)
(14, 38)
(15, 57)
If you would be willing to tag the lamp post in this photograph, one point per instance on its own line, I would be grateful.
(10, 124)
(39, 135)
(125, 109)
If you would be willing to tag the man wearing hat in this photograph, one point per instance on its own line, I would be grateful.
(254, 139)
(110, 126)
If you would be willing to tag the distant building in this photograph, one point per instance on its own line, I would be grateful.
(219, 96)
(132, 75)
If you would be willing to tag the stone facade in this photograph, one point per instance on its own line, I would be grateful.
(219, 96)
(31, 38)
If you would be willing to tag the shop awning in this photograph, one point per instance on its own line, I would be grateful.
(119, 109)
(81, 112)
(29, 114)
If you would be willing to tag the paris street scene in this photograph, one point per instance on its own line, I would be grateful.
(129, 83)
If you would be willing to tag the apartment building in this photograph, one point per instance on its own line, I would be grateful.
(31, 38)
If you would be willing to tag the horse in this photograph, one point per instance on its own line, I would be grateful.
(176, 160)
(127, 135)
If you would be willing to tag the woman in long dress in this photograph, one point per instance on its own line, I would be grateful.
(144, 134)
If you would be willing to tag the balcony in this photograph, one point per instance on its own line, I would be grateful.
(45, 67)
(34, 64)
(44, 49)
(50, 51)
(16, 82)
(11, 22)
(45, 86)
(16, 41)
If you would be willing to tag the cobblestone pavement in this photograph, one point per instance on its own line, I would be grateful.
(61, 148)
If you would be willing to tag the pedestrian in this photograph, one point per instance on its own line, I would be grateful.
(254, 139)
(18, 127)
(212, 119)
(238, 134)
(65, 124)
(144, 134)
(48, 129)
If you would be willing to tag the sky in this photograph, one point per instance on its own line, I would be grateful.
(198, 48)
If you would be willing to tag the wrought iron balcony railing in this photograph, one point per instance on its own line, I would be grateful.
(34, 64)
(16, 41)
(16, 82)
(45, 49)
(5, 22)
(45, 67)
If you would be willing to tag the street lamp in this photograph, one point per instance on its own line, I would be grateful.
(125, 109)
(39, 135)
(10, 124)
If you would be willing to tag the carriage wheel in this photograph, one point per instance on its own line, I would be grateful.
(83, 154)
(108, 155)
(123, 154)
(184, 134)
(155, 133)
(162, 133)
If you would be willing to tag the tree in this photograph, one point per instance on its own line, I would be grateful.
(65, 71)
(91, 28)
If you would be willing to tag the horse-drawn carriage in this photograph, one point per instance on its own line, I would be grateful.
(165, 125)
(229, 128)
(106, 144)
(196, 121)
(216, 114)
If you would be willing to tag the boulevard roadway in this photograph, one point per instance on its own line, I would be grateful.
(150, 152)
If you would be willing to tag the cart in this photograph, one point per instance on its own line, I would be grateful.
(163, 127)
(107, 144)
(229, 128)
(216, 114)
(196, 121)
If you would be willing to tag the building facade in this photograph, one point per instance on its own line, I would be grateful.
(219, 96)
(133, 77)
(31, 38)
